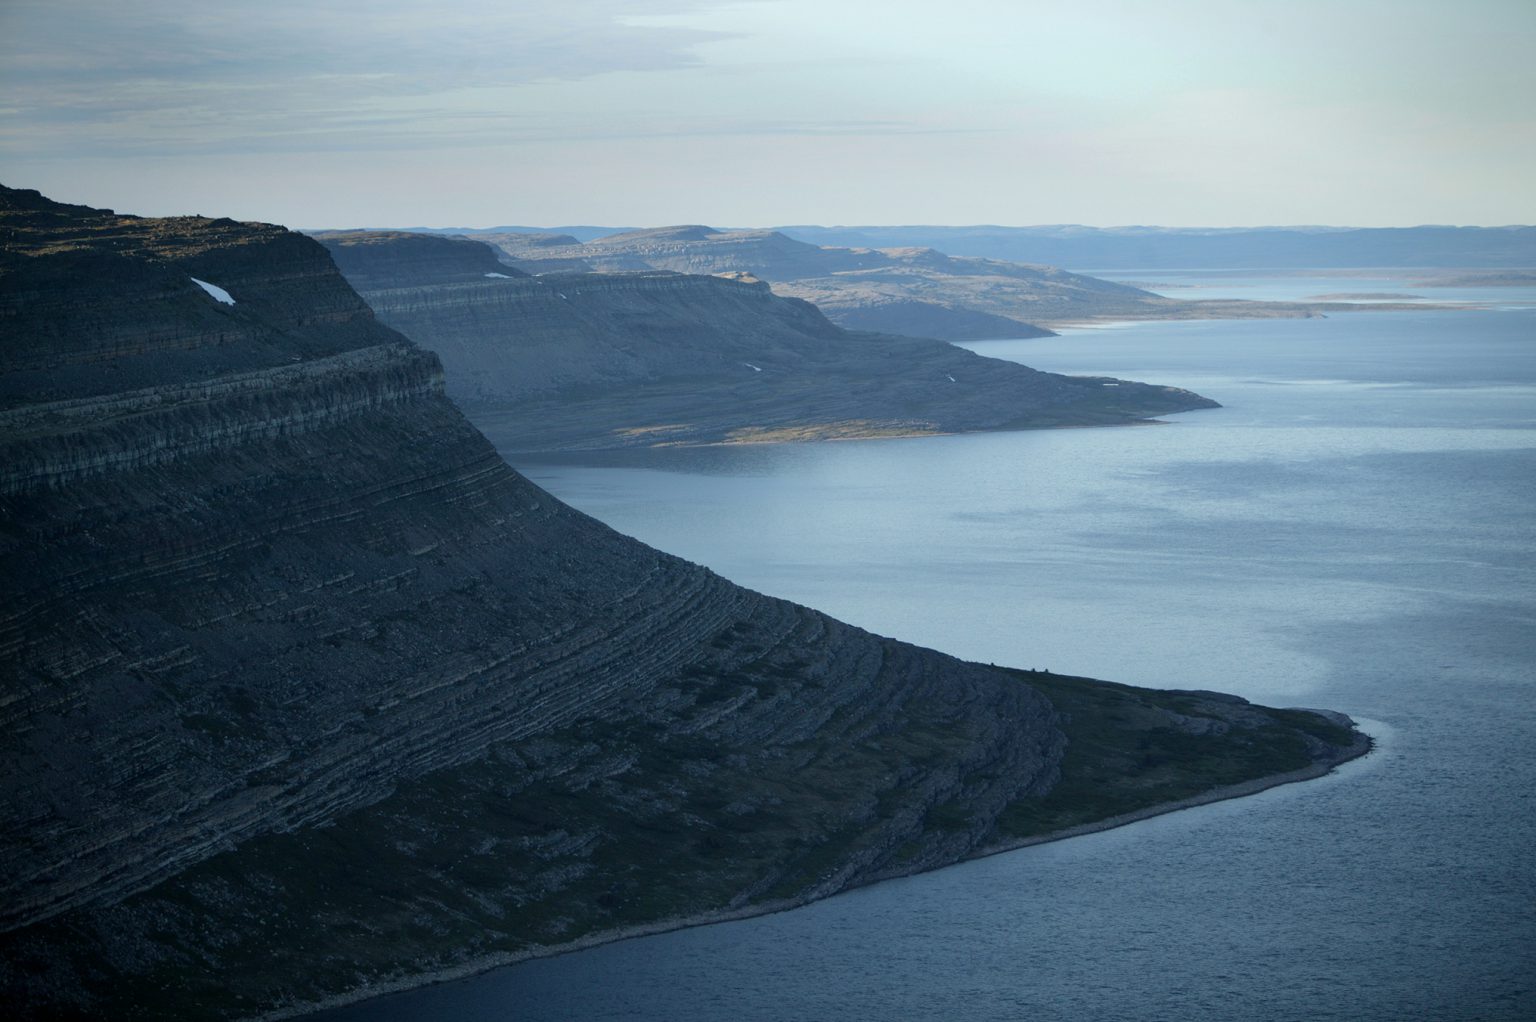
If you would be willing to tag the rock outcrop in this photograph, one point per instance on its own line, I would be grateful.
(304, 691)
(1141, 248)
(642, 357)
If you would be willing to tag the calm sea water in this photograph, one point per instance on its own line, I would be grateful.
(1353, 530)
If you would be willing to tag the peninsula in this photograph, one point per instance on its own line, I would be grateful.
(307, 694)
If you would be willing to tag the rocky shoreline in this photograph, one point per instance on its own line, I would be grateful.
(1362, 745)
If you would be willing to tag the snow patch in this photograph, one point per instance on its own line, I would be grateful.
(500, 276)
(752, 367)
(950, 378)
(214, 291)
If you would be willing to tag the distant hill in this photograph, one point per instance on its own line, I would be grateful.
(912, 290)
(915, 292)
(1112, 248)
(643, 356)
(306, 691)
(305, 694)
(581, 232)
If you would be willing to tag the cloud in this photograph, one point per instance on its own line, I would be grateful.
(100, 77)
(1189, 111)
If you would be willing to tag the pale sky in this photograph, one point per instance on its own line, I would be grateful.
(763, 112)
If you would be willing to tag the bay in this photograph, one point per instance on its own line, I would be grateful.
(1353, 529)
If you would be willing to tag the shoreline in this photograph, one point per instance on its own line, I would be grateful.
(559, 455)
(1362, 745)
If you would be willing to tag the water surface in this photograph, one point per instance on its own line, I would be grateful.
(1352, 530)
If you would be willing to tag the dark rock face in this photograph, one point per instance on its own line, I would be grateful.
(594, 360)
(305, 692)
(912, 289)
(275, 611)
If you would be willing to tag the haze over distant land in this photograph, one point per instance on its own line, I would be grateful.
(649, 112)
(1081, 248)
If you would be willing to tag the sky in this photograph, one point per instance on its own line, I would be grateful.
(755, 113)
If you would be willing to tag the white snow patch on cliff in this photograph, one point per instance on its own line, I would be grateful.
(501, 276)
(214, 291)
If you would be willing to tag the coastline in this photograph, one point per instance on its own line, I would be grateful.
(1361, 746)
(1208, 309)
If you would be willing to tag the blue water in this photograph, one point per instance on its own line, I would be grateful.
(1354, 529)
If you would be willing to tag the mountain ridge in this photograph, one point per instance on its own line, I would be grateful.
(587, 360)
(899, 283)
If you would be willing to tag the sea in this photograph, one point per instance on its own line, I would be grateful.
(1354, 529)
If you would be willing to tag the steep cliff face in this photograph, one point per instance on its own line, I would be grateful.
(593, 360)
(915, 292)
(305, 692)
(286, 592)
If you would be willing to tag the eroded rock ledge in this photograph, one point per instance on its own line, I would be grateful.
(55, 443)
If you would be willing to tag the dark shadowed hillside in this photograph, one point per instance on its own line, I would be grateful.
(614, 359)
(1107, 248)
(905, 287)
(307, 693)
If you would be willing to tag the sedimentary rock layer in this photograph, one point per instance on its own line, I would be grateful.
(304, 691)
(908, 288)
(286, 584)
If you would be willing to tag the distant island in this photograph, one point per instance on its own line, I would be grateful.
(1129, 248)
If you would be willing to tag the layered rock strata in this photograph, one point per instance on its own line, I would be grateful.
(304, 692)
(607, 360)
(246, 604)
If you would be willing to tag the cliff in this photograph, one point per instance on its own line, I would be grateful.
(1135, 248)
(592, 360)
(305, 692)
